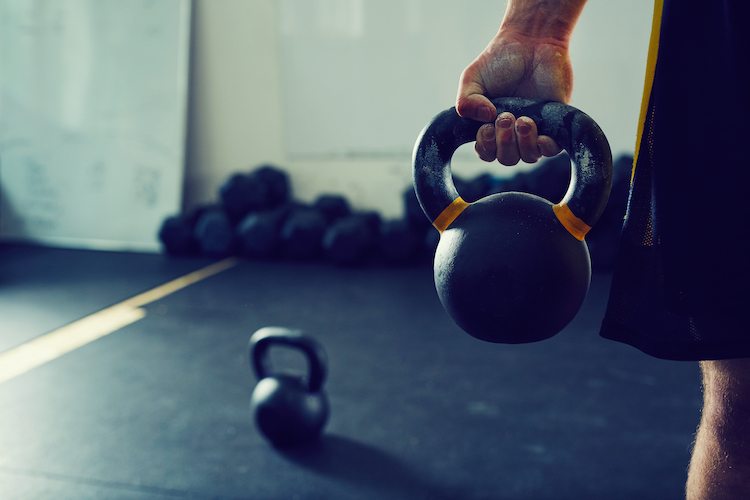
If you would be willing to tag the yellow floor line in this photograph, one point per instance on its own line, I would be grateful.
(174, 285)
(28, 356)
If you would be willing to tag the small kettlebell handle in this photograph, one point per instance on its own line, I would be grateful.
(266, 337)
(574, 131)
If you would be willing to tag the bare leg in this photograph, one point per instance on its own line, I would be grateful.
(720, 467)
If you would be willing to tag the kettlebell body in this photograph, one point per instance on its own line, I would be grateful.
(484, 277)
(288, 409)
(513, 267)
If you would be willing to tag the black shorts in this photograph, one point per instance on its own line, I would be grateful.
(681, 284)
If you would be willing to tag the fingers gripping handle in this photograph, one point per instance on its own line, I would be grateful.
(574, 131)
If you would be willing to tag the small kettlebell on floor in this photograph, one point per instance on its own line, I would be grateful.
(512, 267)
(289, 410)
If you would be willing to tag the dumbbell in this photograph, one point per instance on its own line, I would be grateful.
(474, 189)
(550, 179)
(214, 233)
(258, 234)
(302, 233)
(263, 188)
(177, 233)
(516, 183)
(350, 239)
(277, 181)
(399, 241)
(332, 206)
(413, 210)
(176, 236)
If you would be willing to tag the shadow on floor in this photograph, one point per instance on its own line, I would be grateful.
(365, 466)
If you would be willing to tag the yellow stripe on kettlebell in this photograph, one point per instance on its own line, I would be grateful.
(573, 224)
(449, 214)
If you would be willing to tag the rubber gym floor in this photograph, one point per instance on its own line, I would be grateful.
(158, 408)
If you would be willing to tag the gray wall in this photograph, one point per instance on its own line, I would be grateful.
(248, 68)
(336, 91)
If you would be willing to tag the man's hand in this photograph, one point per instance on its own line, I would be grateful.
(528, 58)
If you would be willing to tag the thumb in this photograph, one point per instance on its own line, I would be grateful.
(472, 103)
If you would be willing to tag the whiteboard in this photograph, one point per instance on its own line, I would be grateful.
(93, 103)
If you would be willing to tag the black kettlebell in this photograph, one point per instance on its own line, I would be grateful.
(288, 409)
(512, 267)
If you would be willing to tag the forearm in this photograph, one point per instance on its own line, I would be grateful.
(543, 19)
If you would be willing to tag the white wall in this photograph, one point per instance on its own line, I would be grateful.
(237, 119)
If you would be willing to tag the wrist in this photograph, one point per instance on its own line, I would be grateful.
(552, 21)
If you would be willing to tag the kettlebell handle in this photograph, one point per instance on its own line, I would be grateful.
(266, 337)
(574, 131)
